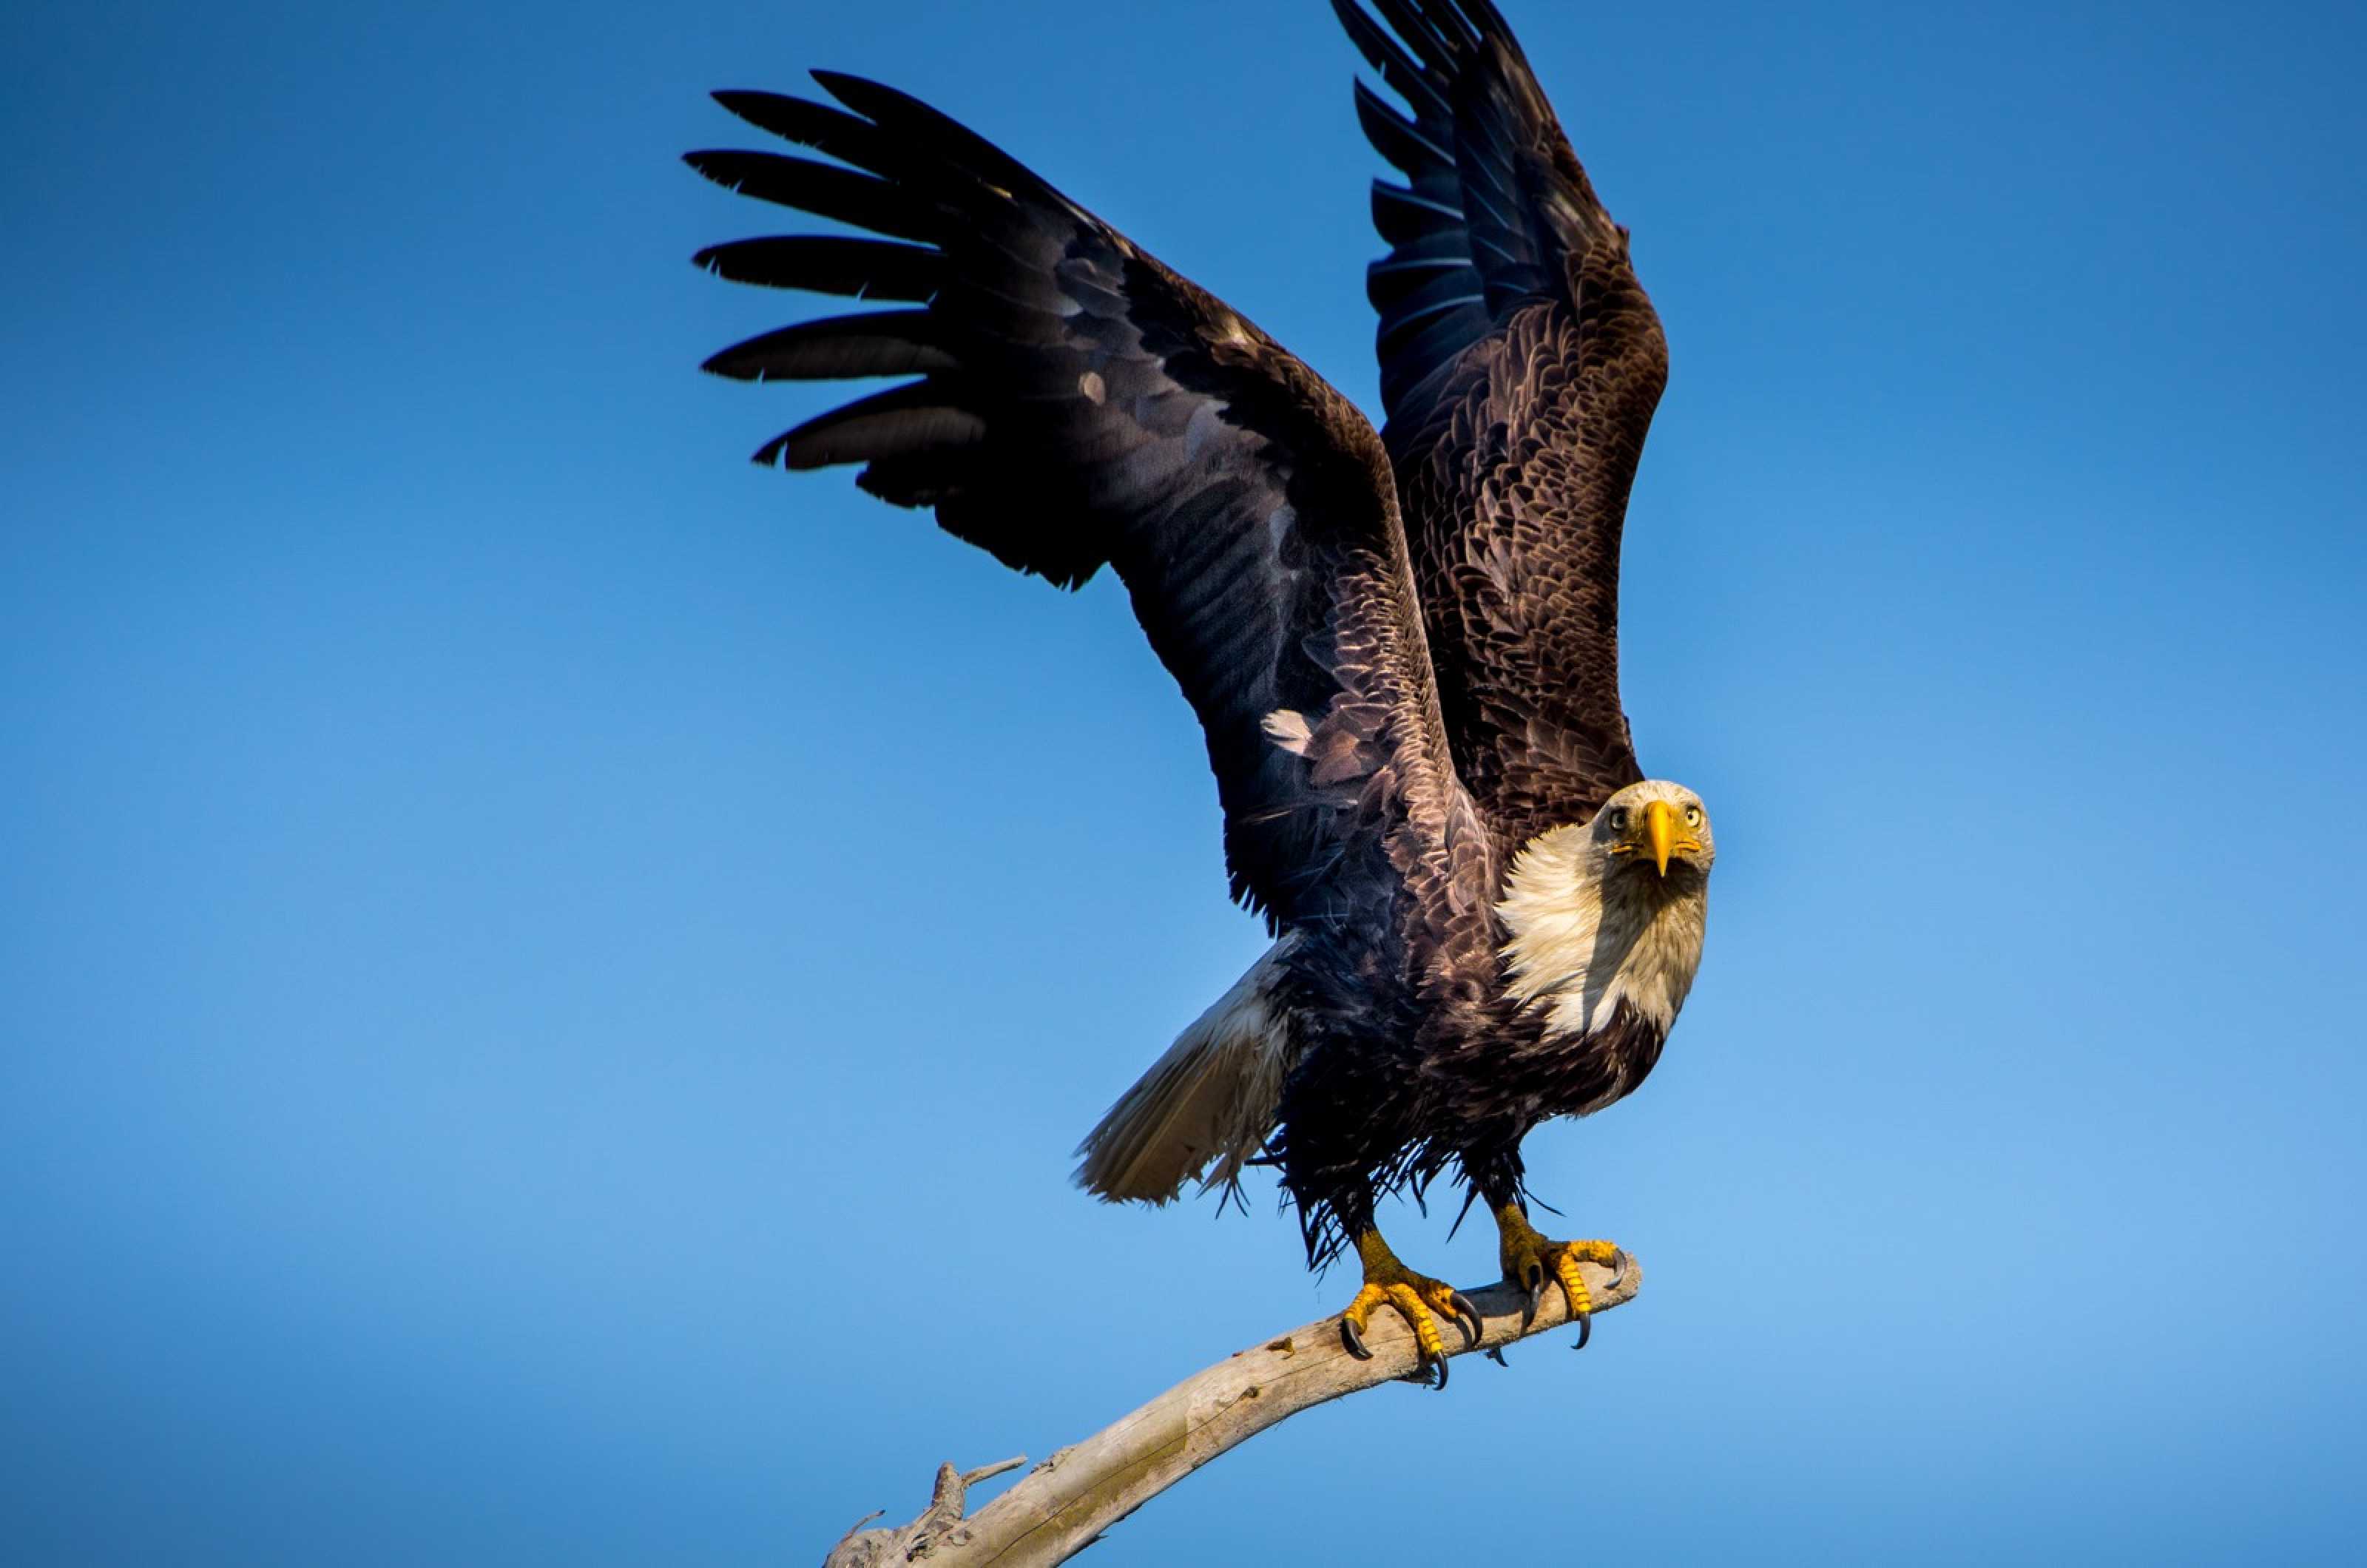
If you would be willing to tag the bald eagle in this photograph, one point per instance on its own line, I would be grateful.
(1402, 647)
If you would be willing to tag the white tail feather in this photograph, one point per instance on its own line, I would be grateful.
(1210, 1101)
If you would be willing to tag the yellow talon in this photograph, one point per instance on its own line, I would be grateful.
(1417, 1298)
(1529, 1259)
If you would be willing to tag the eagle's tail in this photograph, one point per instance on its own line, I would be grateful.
(1209, 1101)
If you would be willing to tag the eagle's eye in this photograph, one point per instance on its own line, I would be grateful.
(1618, 818)
(1693, 815)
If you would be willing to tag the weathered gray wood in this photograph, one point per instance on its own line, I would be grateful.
(1061, 1505)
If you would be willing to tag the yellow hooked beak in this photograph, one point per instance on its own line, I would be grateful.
(1661, 832)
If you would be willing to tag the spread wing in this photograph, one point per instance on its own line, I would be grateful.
(1520, 362)
(1075, 404)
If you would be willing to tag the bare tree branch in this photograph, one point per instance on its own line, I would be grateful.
(1064, 1505)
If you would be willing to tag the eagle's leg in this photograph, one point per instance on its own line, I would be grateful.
(1418, 1298)
(1530, 1260)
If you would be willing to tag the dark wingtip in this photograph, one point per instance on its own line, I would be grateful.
(838, 83)
(704, 163)
(875, 101)
(799, 120)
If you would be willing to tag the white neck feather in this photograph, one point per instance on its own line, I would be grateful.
(1587, 932)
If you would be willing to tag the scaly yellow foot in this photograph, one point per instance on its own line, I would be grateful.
(1530, 1260)
(1416, 1297)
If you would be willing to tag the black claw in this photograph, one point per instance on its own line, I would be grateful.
(1442, 1374)
(1354, 1341)
(1585, 1330)
(1536, 1299)
(1618, 1266)
(1467, 1317)
(1496, 1354)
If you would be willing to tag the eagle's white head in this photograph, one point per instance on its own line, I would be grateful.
(1656, 824)
(1611, 911)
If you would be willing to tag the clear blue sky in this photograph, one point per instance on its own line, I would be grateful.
(548, 976)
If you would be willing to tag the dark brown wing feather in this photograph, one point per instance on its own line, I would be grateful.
(1078, 403)
(1521, 363)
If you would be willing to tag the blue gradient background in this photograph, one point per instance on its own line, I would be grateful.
(522, 931)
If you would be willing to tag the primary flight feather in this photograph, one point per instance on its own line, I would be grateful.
(1402, 646)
